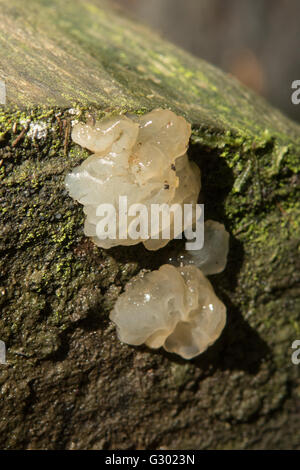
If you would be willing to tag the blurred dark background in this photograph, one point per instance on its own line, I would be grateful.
(258, 41)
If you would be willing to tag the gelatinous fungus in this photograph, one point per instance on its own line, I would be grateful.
(143, 158)
(212, 257)
(175, 308)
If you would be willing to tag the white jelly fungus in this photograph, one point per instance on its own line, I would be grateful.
(212, 257)
(143, 158)
(175, 308)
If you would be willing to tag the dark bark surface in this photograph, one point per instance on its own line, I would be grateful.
(68, 382)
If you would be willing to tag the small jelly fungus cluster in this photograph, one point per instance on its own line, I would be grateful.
(212, 257)
(176, 306)
(144, 158)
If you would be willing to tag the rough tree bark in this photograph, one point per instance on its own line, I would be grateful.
(68, 382)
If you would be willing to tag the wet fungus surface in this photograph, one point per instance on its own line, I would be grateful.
(176, 308)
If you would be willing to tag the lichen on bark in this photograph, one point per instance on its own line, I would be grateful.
(68, 382)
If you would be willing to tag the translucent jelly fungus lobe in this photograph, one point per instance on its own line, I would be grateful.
(175, 308)
(143, 158)
(212, 257)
